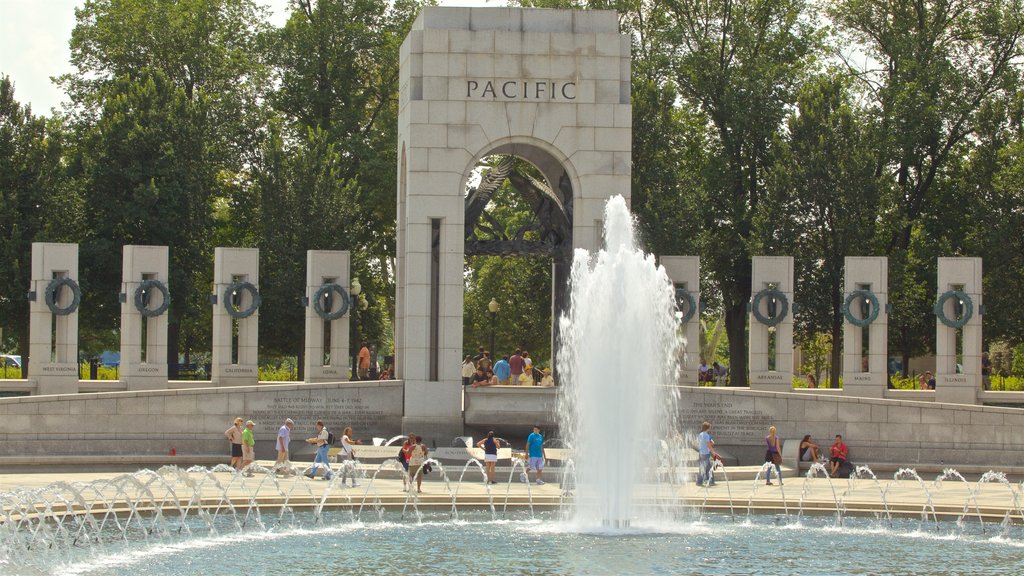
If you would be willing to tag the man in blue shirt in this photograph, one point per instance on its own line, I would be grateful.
(502, 370)
(704, 444)
(535, 453)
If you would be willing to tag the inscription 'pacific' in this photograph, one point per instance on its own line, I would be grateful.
(521, 89)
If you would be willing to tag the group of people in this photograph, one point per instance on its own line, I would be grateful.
(809, 452)
(514, 370)
(243, 449)
(839, 453)
(714, 374)
(413, 455)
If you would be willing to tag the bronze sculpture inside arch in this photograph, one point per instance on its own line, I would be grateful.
(552, 222)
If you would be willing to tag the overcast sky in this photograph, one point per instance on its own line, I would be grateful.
(34, 38)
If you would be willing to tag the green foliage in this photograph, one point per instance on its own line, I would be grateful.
(281, 369)
(1006, 384)
(102, 372)
(905, 383)
(817, 353)
(1000, 353)
(738, 64)
(37, 202)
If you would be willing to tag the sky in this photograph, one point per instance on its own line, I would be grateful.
(34, 37)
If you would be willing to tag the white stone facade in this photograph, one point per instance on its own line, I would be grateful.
(143, 339)
(235, 342)
(872, 273)
(769, 271)
(53, 339)
(963, 274)
(550, 86)
(322, 363)
(685, 274)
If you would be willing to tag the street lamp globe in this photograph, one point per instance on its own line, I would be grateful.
(492, 307)
(356, 287)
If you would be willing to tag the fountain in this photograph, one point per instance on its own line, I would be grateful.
(617, 360)
(622, 503)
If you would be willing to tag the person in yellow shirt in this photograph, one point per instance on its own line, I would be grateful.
(364, 362)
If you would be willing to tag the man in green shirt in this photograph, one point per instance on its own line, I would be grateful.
(248, 448)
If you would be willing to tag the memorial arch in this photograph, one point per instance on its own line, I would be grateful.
(549, 86)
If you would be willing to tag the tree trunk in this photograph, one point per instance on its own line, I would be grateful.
(300, 363)
(837, 353)
(736, 327)
(173, 340)
(23, 349)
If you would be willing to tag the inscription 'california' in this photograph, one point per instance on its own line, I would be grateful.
(521, 89)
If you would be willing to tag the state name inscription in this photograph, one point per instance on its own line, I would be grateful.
(335, 412)
(728, 419)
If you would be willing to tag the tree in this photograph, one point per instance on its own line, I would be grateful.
(38, 204)
(934, 66)
(200, 75)
(146, 180)
(337, 63)
(739, 64)
(825, 193)
(298, 201)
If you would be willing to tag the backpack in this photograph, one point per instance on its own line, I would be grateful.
(331, 438)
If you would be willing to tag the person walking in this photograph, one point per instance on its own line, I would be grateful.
(234, 436)
(248, 448)
(403, 457)
(705, 443)
(320, 441)
(535, 454)
(348, 456)
(284, 437)
(364, 362)
(773, 455)
(490, 446)
(417, 456)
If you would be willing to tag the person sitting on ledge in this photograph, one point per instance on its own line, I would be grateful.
(840, 452)
(480, 378)
(809, 451)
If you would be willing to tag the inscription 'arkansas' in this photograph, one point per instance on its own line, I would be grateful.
(520, 89)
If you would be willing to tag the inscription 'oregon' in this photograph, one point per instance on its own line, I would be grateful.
(521, 89)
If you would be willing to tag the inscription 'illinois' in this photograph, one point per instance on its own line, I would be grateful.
(520, 89)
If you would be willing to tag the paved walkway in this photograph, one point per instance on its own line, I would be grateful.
(105, 492)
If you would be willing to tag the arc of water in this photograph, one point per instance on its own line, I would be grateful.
(972, 496)
(998, 478)
(521, 464)
(487, 487)
(912, 474)
(390, 463)
(766, 469)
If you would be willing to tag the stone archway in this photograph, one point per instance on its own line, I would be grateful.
(549, 86)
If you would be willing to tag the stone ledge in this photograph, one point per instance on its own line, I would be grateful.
(113, 459)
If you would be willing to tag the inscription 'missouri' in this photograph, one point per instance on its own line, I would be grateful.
(521, 89)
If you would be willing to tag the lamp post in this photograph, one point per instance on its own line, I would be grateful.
(355, 290)
(493, 307)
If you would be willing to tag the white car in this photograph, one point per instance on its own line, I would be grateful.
(10, 361)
